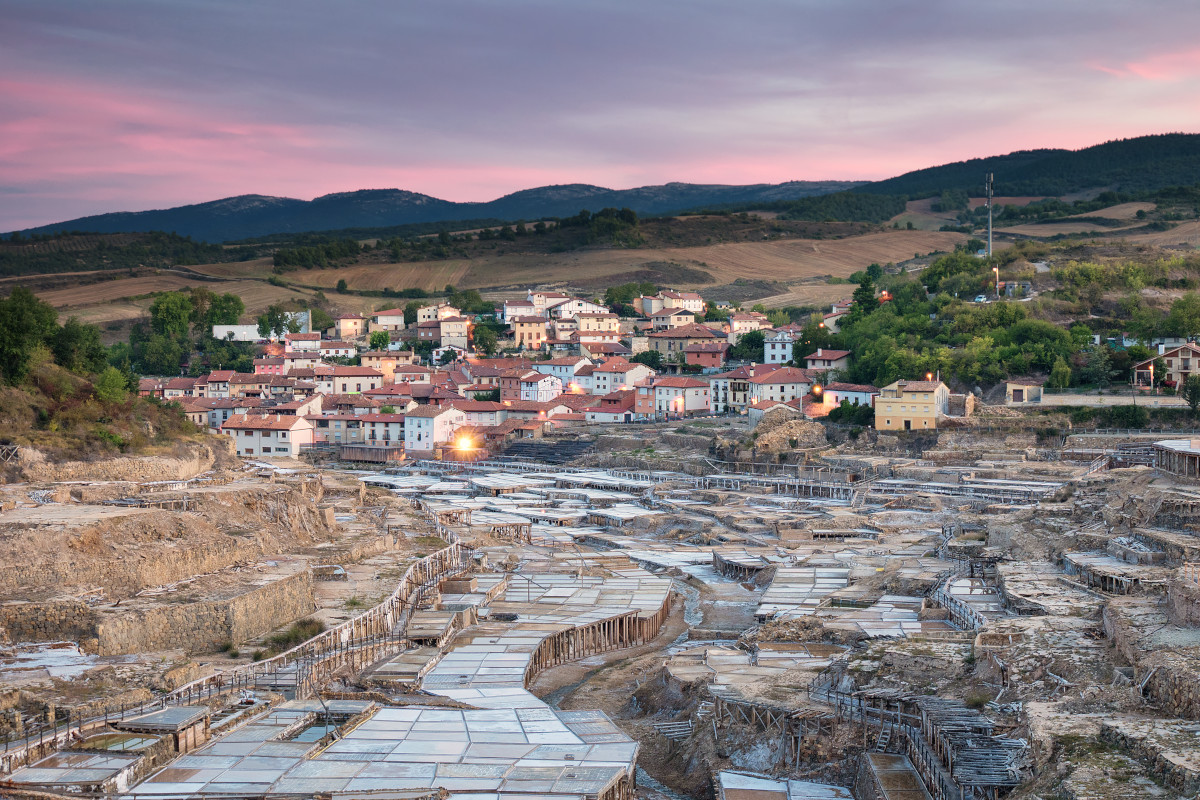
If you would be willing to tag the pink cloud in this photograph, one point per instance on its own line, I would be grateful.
(1160, 67)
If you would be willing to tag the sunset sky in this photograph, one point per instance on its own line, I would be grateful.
(114, 105)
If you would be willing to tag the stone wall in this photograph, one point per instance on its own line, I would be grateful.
(1183, 604)
(67, 620)
(206, 626)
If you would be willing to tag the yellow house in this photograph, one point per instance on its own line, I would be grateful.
(598, 323)
(911, 405)
(529, 332)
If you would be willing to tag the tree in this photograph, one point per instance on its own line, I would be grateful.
(25, 323)
(171, 314)
(1060, 374)
(77, 347)
(225, 309)
(750, 347)
(410, 311)
(865, 301)
(161, 355)
(485, 339)
(275, 321)
(1096, 367)
(651, 358)
(380, 340)
(321, 321)
(341, 286)
(1191, 392)
(1184, 317)
(110, 386)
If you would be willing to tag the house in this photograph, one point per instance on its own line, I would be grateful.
(437, 313)
(617, 373)
(783, 384)
(150, 387)
(686, 300)
(675, 340)
(573, 307)
(481, 413)
(668, 318)
(430, 331)
(455, 332)
(272, 436)
(1180, 363)
(302, 342)
(612, 407)
(350, 326)
(385, 362)
(832, 320)
(543, 301)
(538, 387)
(179, 387)
(348, 380)
(710, 355)
(730, 391)
(390, 319)
(824, 360)
(598, 322)
(777, 347)
(268, 366)
(337, 428)
(1022, 390)
(529, 332)
(382, 428)
(680, 397)
(447, 354)
(428, 426)
(604, 349)
(742, 323)
(337, 350)
(518, 308)
(911, 405)
(857, 394)
(563, 368)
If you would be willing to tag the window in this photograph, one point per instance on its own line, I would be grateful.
(266, 449)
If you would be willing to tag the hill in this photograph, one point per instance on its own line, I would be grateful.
(1141, 164)
(251, 216)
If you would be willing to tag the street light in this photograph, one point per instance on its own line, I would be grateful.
(996, 272)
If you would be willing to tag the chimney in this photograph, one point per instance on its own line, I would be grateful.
(818, 351)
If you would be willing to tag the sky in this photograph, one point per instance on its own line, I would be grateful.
(123, 105)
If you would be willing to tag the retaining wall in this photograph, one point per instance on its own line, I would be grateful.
(207, 625)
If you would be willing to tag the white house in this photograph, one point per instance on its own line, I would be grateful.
(481, 413)
(271, 436)
(678, 396)
(382, 428)
(390, 319)
(858, 394)
(777, 348)
(573, 307)
(783, 384)
(563, 367)
(824, 360)
(337, 350)
(351, 380)
(540, 388)
(425, 427)
(617, 373)
(302, 342)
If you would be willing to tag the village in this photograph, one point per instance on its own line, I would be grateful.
(614, 610)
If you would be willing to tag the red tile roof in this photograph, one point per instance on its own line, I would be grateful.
(242, 422)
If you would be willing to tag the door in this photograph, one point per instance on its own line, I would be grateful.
(1018, 395)
(908, 424)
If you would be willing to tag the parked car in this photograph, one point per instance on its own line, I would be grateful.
(981, 298)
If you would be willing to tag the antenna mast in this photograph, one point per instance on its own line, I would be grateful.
(988, 184)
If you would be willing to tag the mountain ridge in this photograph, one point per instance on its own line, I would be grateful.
(254, 215)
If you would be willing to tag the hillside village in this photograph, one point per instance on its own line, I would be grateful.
(578, 363)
